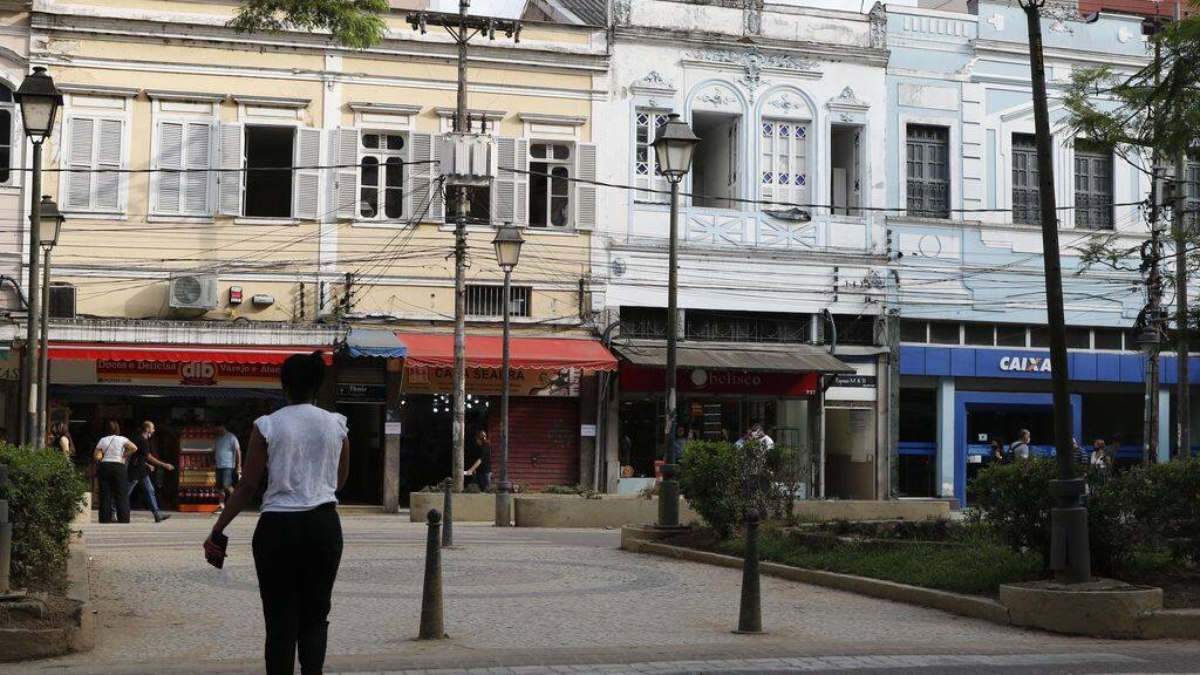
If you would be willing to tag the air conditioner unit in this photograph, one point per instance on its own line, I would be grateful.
(194, 291)
(62, 301)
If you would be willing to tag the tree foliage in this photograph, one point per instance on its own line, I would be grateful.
(352, 23)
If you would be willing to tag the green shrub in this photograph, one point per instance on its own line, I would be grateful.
(44, 494)
(1164, 501)
(1015, 502)
(721, 481)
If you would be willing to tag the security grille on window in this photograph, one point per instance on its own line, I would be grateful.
(381, 182)
(185, 153)
(549, 185)
(928, 171)
(1025, 192)
(1093, 187)
(95, 148)
(488, 301)
(645, 163)
(785, 162)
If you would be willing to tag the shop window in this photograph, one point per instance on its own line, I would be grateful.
(846, 164)
(550, 185)
(914, 331)
(747, 327)
(928, 165)
(715, 168)
(647, 177)
(488, 301)
(381, 176)
(1025, 192)
(983, 334)
(784, 166)
(644, 323)
(1010, 336)
(269, 153)
(1093, 186)
(943, 333)
(1107, 338)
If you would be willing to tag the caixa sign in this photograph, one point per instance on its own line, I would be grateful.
(1025, 364)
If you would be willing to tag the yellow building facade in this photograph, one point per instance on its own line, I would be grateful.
(235, 194)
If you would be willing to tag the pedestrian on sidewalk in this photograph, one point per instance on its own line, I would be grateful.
(227, 452)
(1100, 461)
(1020, 447)
(111, 455)
(60, 439)
(298, 541)
(482, 468)
(142, 464)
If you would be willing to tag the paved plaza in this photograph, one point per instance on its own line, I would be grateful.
(534, 601)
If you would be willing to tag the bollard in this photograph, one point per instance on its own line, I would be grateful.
(750, 613)
(5, 536)
(447, 515)
(431, 594)
(668, 497)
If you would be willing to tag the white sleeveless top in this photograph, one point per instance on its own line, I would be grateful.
(304, 444)
(113, 448)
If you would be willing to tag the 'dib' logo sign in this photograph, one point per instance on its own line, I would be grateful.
(198, 373)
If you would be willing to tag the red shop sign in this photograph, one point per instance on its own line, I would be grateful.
(702, 381)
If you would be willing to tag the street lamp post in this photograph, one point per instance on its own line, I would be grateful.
(673, 148)
(49, 239)
(39, 100)
(508, 251)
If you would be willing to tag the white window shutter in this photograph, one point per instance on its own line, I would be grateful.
(510, 189)
(110, 136)
(306, 182)
(167, 193)
(521, 182)
(81, 141)
(197, 159)
(585, 187)
(345, 186)
(422, 197)
(231, 160)
(437, 196)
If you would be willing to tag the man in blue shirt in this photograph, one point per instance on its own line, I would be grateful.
(228, 454)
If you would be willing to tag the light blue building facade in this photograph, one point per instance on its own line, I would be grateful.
(966, 243)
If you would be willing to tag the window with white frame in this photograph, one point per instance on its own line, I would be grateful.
(1093, 186)
(716, 166)
(845, 163)
(785, 162)
(928, 166)
(381, 175)
(182, 158)
(6, 135)
(269, 171)
(653, 186)
(550, 167)
(94, 153)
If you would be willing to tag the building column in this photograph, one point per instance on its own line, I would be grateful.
(588, 463)
(1164, 424)
(391, 445)
(945, 438)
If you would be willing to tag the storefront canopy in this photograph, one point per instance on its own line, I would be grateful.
(724, 356)
(484, 351)
(374, 342)
(126, 391)
(264, 354)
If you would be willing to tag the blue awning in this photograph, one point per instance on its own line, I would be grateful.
(374, 342)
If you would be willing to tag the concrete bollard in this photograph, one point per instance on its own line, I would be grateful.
(447, 515)
(750, 613)
(668, 497)
(431, 595)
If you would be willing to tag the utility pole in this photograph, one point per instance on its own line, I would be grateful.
(462, 28)
(1151, 334)
(1182, 346)
(1070, 558)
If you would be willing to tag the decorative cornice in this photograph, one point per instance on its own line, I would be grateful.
(98, 90)
(716, 97)
(385, 108)
(564, 120)
(847, 101)
(753, 57)
(272, 101)
(653, 83)
(192, 97)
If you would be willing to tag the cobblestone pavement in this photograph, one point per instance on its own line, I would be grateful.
(533, 602)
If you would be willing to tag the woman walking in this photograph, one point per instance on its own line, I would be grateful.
(111, 453)
(298, 541)
(60, 439)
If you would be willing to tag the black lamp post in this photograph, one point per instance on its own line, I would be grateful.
(508, 251)
(39, 100)
(673, 148)
(49, 239)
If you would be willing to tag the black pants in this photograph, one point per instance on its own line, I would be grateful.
(296, 556)
(113, 486)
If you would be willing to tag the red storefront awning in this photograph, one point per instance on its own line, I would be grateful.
(98, 351)
(484, 351)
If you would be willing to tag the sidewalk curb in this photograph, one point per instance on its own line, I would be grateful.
(954, 603)
(23, 644)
